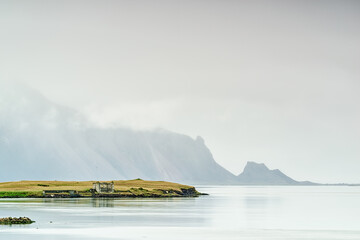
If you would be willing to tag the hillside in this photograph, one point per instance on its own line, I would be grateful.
(42, 140)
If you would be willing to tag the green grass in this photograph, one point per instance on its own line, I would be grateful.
(126, 188)
(18, 194)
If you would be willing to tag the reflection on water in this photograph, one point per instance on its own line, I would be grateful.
(229, 212)
(102, 203)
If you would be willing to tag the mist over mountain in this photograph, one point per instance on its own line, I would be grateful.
(42, 140)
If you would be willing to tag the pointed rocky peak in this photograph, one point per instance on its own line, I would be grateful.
(200, 140)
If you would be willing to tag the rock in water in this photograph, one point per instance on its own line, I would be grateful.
(15, 220)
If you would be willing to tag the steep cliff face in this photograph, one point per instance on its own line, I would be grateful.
(41, 140)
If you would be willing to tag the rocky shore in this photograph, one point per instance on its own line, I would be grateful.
(15, 220)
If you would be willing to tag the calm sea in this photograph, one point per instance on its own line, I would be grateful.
(229, 212)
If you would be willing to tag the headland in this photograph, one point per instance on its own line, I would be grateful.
(136, 188)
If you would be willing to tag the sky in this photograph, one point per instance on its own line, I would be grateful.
(268, 81)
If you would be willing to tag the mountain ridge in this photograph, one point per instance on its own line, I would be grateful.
(43, 140)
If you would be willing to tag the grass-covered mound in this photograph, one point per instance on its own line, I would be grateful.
(123, 188)
(15, 220)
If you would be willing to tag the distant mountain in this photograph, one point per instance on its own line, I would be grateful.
(259, 174)
(40, 140)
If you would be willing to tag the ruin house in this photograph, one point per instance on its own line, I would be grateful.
(103, 187)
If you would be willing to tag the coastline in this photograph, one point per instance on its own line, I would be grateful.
(136, 188)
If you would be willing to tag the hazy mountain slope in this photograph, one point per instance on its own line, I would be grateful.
(41, 140)
(259, 174)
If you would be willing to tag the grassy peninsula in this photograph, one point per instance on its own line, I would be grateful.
(122, 189)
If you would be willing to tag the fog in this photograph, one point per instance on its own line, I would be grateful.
(267, 81)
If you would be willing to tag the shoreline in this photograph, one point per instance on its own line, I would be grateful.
(136, 188)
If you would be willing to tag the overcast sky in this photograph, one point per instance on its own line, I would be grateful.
(276, 82)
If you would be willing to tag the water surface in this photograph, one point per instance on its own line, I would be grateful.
(229, 212)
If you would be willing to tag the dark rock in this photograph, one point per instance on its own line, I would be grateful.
(15, 220)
